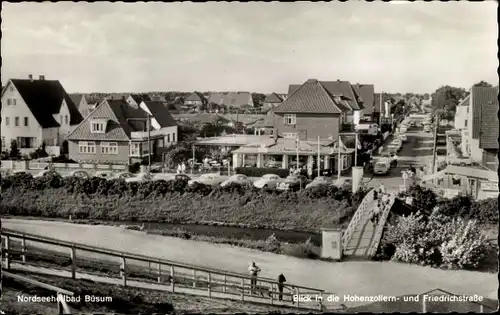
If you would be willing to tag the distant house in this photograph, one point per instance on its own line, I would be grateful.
(207, 118)
(481, 127)
(81, 103)
(157, 97)
(36, 112)
(462, 113)
(232, 99)
(366, 96)
(116, 132)
(92, 102)
(271, 101)
(136, 99)
(195, 99)
(382, 108)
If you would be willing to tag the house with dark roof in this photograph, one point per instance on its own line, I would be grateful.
(81, 103)
(343, 94)
(195, 99)
(232, 99)
(271, 101)
(317, 108)
(117, 132)
(366, 94)
(37, 111)
(480, 136)
(136, 99)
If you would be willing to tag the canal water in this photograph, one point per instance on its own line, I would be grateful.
(230, 232)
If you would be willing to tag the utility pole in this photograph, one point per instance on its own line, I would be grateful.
(434, 152)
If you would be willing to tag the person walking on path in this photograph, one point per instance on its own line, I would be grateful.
(281, 281)
(254, 271)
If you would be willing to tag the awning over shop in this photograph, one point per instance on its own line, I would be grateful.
(289, 146)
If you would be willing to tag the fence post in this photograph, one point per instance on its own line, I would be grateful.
(481, 308)
(209, 285)
(242, 289)
(123, 271)
(272, 293)
(7, 255)
(194, 278)
(298, 297)
(23, 249)
(424, 305)
(159, 272)
(224, 289)
(73, 262)
(172, 278)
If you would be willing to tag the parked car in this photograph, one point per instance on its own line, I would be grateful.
(239, 179)
(141, 177)
(382, 167)
(320, 181)
(268, 181)
(45, 172)
(207, 179)
(344, 183)
(396, 144)
(124, 175)
(181, 177)
(81, 174)
(427, 128)
(293, 183)
(105, 174)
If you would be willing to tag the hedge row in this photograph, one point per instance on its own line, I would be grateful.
(176, 202)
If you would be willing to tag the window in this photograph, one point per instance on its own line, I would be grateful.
(109, 148)
(66, 119)
(290, 135)
(173, 137)
(135, 149)
(7, 121)
(3, 143)
(168, 138)
(97, 127)
(85, 147)
(26, 121)
(14, 102)
(290, 119)
(8, 102)
(467, 110)
(16, 121)
(60, 119)
(466, 123)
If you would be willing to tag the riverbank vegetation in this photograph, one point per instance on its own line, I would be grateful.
(442, 233)
(52, 196)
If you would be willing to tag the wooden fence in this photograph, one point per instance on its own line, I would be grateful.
(34, 165)
(182, 278)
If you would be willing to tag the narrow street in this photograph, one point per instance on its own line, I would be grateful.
(417, 151)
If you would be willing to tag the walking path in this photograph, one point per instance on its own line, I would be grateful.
(366, 278)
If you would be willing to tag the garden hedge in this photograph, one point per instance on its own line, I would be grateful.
(176, 202)
(261, 171)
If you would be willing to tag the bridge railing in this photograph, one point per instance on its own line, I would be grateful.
(80, 258)
(364, 206)
(381, 225)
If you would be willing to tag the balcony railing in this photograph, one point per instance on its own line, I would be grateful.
(144, 134)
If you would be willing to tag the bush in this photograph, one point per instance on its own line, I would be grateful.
(437, 240)
(303, 250)
(134, 167)
(424, 199)
(175, 202)
(485, 211)
(261, 171)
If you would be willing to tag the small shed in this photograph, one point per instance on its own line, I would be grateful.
(331, 242)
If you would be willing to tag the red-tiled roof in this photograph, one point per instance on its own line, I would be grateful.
(311, 97)
(233, 99)
(44, 99)
(77, 99)
(273, 98)
(138, 98)
(344, 90)
(485, 116)
(292, 88)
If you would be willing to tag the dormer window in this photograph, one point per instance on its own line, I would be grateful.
(290, 119)
(98, 125)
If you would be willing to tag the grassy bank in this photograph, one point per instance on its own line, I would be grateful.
(301, 211)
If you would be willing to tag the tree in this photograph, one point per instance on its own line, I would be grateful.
(258, 99)
(482, 84)
(15, 153)
(446, 98)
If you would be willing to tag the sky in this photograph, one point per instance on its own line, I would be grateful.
(257, 47)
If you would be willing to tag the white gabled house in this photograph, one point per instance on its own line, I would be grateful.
(35, 112)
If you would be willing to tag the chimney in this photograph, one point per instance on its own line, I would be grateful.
(30, 76)
(41, 77)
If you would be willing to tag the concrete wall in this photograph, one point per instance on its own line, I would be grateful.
(310, 126)
(121, 158)
(21, 110)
